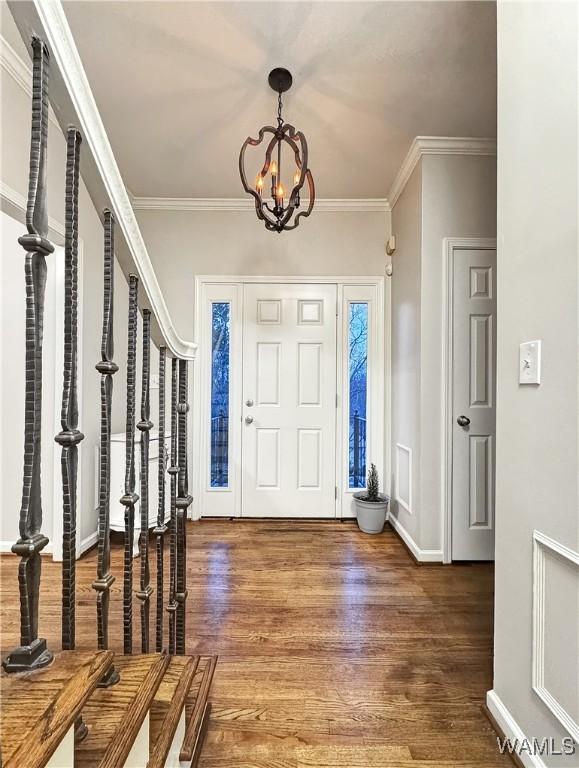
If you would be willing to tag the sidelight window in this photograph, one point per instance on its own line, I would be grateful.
(220, 367)
(358, 391)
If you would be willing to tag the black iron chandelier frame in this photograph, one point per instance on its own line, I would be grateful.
(277, 217)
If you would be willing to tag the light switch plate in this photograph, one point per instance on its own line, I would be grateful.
(530, 362)
(154, 383)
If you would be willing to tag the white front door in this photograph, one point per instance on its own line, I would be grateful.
(289, 401)
(473, 413)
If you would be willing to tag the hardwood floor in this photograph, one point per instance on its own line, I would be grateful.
(335, 649)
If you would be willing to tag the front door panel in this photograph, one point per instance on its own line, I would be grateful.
(289, 400)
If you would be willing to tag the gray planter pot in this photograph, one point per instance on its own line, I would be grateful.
(371, 515)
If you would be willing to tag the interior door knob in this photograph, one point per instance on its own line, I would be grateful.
(249, 403)
(249, 419)
(463, 421)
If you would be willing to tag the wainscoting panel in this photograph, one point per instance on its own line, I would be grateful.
(556, 630)
(403, 477)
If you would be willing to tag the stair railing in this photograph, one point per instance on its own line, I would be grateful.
(161, 527)
(69, 437)
(130, 498)
(183, 502)
(173, 473)
(32, 653)
(107, 368)
(145, 425)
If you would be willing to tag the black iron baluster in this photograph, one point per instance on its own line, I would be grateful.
(32, 652)
(161, 527)
(173, 472)
(145, 424)
(130, 498)
(70, 436)
(106, 367)
(183, 502)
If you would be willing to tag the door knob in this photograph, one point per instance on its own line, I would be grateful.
(463, 421)
(248, 419)
(249, 403)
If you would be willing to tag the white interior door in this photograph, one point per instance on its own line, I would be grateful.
(289, 401)
(473, 413)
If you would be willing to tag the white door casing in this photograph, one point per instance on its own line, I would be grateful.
(209, 289)
(289, 401)
(472, 413)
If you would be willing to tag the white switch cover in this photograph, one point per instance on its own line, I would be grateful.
(154, 381)
(530, 362)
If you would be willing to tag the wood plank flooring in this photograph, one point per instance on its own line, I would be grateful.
(335, 649)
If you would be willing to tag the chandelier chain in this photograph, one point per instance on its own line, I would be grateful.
(279, 106)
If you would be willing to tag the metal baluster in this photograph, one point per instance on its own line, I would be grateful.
(173, 472)
(145, 424)
(183, 502)
(70, 436)
(32, 652)
(106, 367)
(130, 498)
(161, 528)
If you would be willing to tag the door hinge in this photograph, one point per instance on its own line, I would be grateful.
(337, 401)
(335, 491)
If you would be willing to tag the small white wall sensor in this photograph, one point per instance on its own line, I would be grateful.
(530, 362)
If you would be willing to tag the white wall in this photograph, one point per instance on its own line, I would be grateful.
(183, 244)
(538, 298)
(12, 351)
(458, 200)
(406, 325)
(446, 196)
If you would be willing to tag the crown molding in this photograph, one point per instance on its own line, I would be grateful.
(436, 145)
(20, 72)
(247, 204)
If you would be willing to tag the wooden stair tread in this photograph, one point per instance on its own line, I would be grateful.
(168, 705)
(39, 708)
(114, 715)
(198, 712)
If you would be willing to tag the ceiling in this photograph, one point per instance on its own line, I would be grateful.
(180, 85)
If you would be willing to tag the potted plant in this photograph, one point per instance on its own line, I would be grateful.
(371, 505)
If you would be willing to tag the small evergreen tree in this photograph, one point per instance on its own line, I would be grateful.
(373, 484)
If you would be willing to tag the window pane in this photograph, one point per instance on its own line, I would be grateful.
(220, 313)
(358, 388)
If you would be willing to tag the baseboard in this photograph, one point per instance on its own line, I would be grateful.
(506, 725)
(88, 542)
(419, 555)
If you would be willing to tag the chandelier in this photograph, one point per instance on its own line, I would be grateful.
(273, 205)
